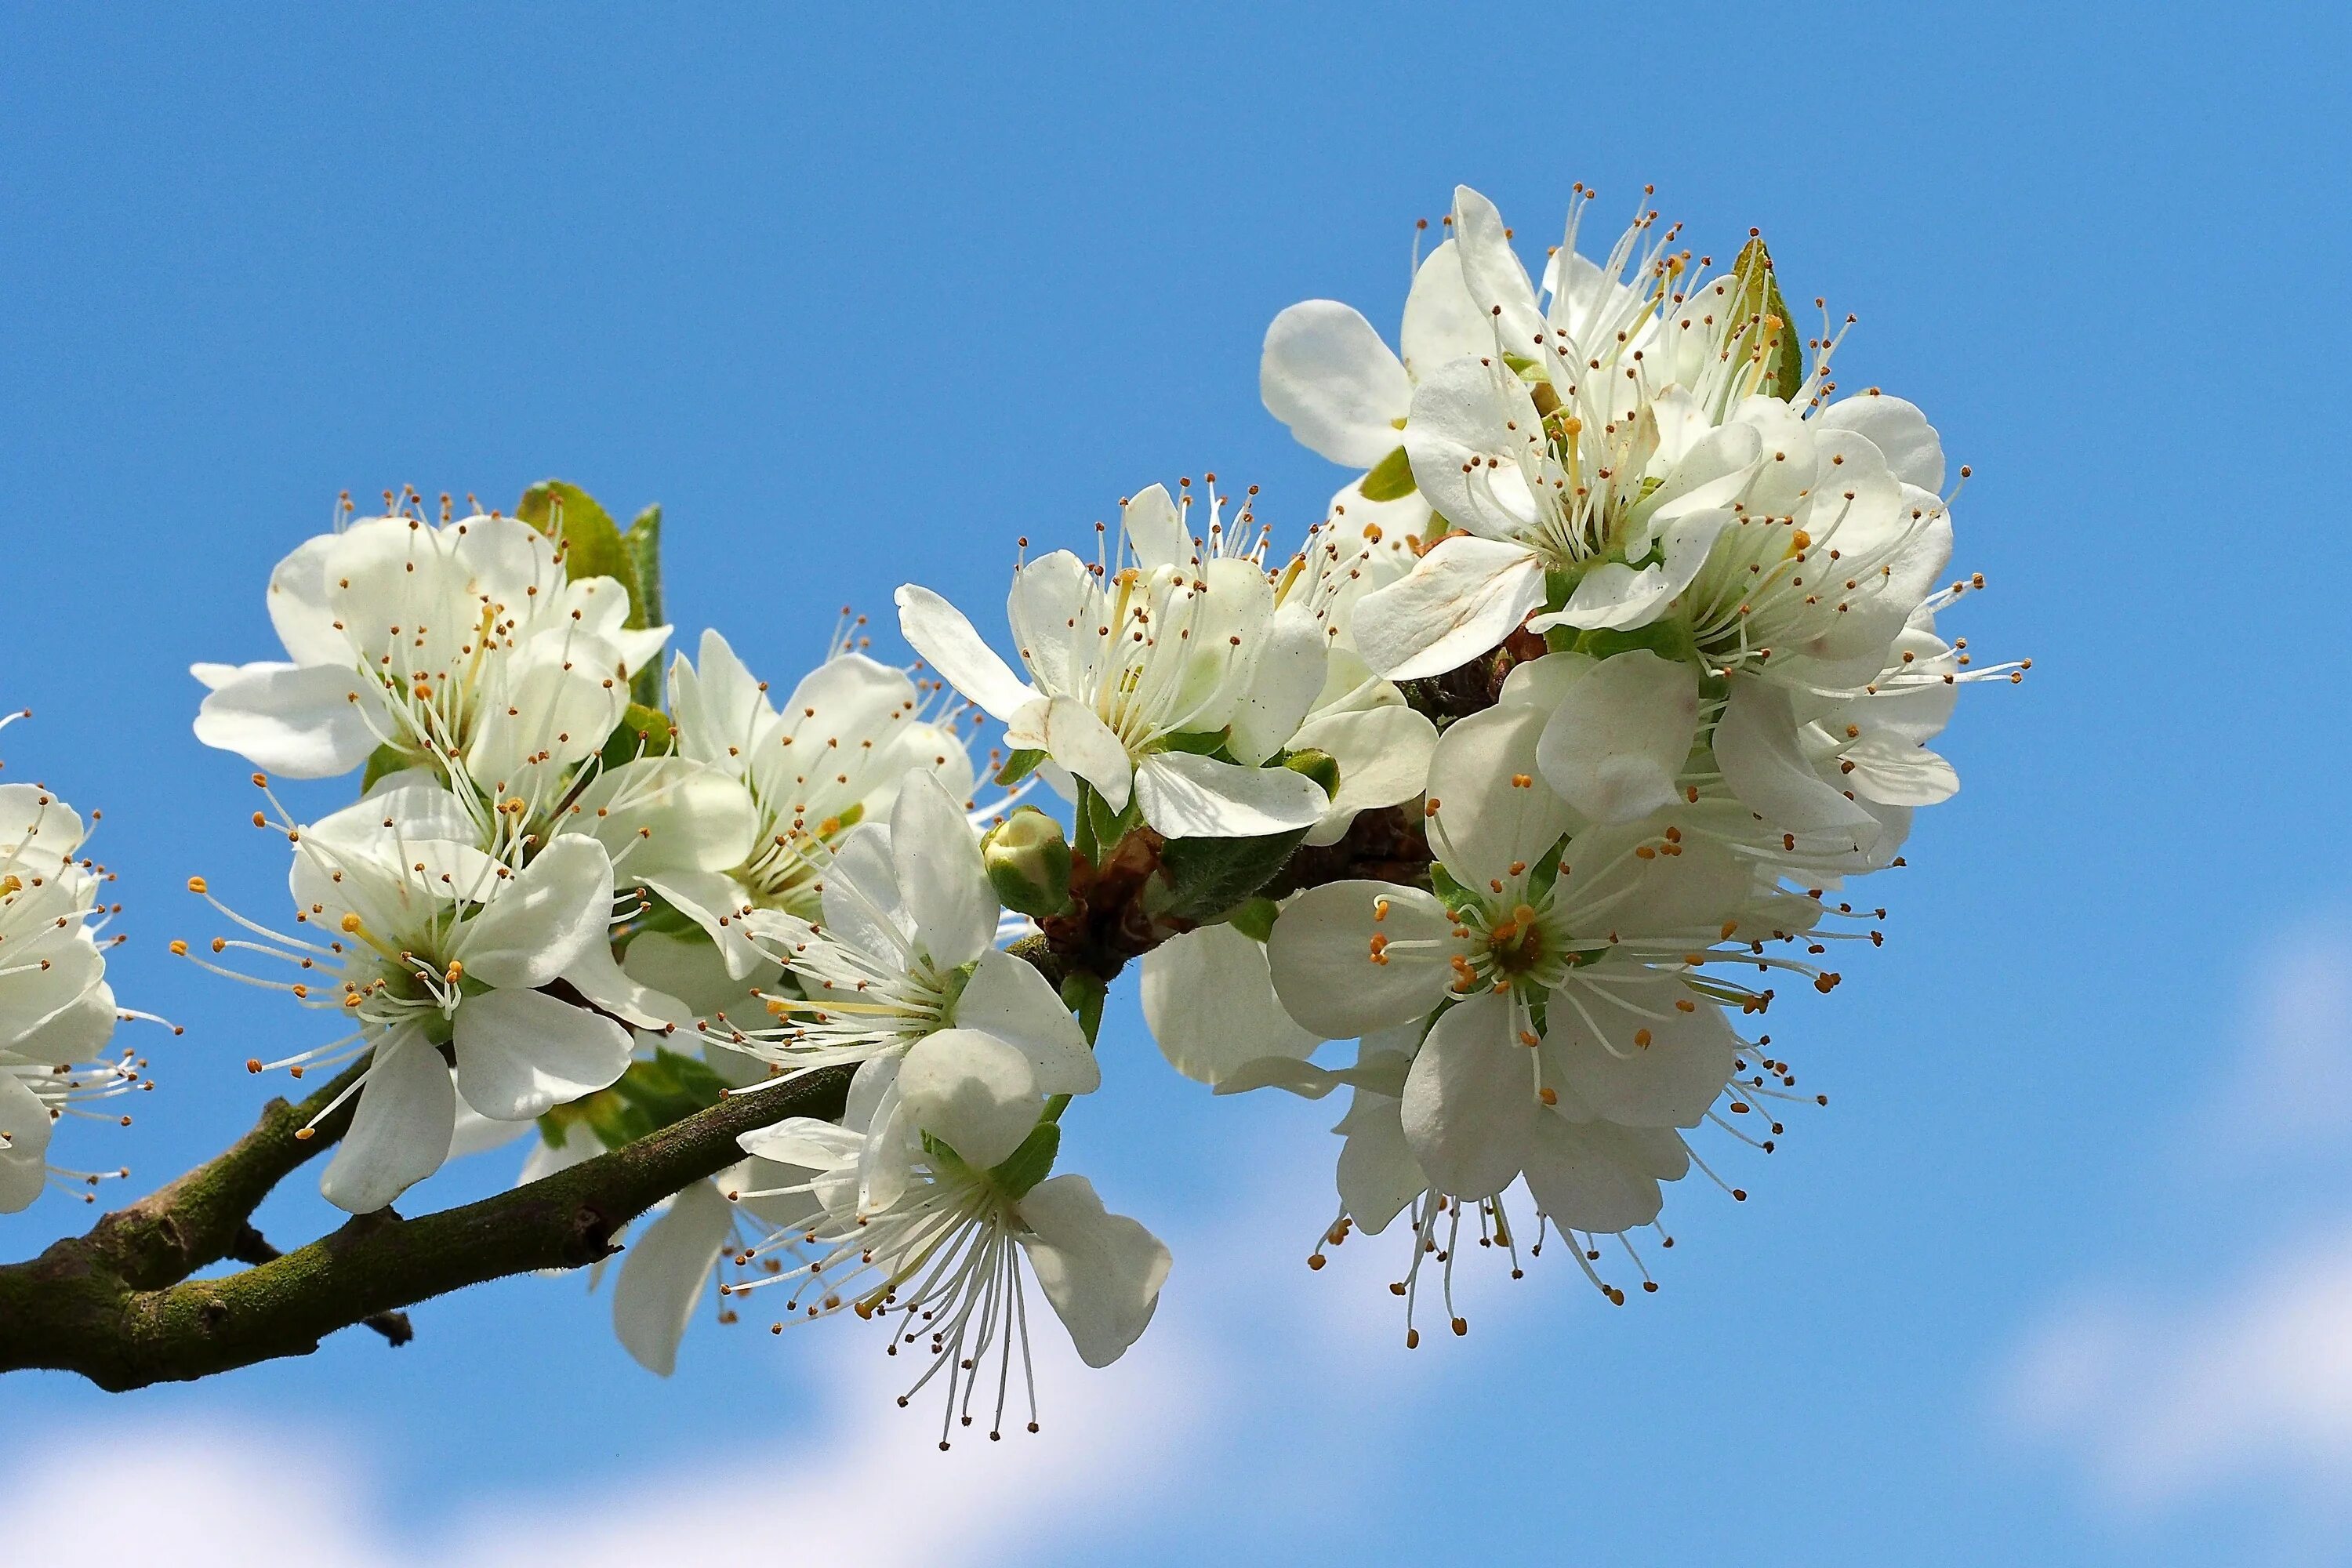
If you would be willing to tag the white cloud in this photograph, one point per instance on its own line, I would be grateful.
(2186, 1397)
(2248, 1380)
(2287, 1089)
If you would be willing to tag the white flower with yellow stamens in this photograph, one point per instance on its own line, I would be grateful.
(439, 955)
(466, 640)
(1167, 675)
(938, 1256)
(904, 953)
(836, 754)
(57, 1012)
(1560, 973)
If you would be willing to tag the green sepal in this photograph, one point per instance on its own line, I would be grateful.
(1253, 918)
(386, 761)
(1018, 766)
(1317, 764)
(642, 731)
(1546, 871)
(1029, 1164)
(1758, 296)
(1195, 742)
(1391, 479)
(1668, 637)
(1450, 893)
(1205, 878)
(1109, 827)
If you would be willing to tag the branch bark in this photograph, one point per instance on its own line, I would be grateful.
(117, 1306)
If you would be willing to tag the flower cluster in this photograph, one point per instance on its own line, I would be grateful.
(57, 1012)
(1535, 770)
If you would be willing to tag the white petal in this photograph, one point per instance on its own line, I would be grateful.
(1284, 680)
(1209, 997)
(1155, 528)
(1378, 1175)
(664, 1276)
(1101, 1271)
(25, 1129)
(1461, 600)
(523, 1053)
(1895, 773)
(1383, 755)
(1616, 597)
(310, 722)
(1580, 1176)
(1914, 452)
(1472, 422)
(1756, 745)
(940, 877)
(721, 713)
(1185, 795)
(1053, 596)
(1326, 373)
(1324, 969)
(667, 814)
(542, 918)
(1630, 1055)
(596, 975)
(806, 1142)
(1491, 271)
(1070, 733)
(1617, 741)
(400, 1129)
(1470, 1104)
(941, 634)
(973, 1092)
(1008, 998)
(562, 697)
(1441, 321)
(298, 602)
(1486, 819)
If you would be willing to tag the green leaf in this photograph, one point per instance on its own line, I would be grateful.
(1391, 479)
(642, 731)
(1029, 1163)
(590, 540)
(643, 543)
(1207, 878)
(1767, 331)
(647, 1098)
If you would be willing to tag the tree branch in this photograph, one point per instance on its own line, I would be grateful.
(79, 1308)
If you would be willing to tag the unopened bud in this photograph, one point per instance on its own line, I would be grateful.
(1320, 766)
(1028, 863)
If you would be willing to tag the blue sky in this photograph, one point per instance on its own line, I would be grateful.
(2064, 1272)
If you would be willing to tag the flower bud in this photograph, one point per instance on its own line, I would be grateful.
(1028, 863)
(1320, 766)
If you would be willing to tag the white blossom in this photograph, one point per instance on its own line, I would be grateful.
(56, 1011)
(1143, 668)
(465, 640)
(940, 1257)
